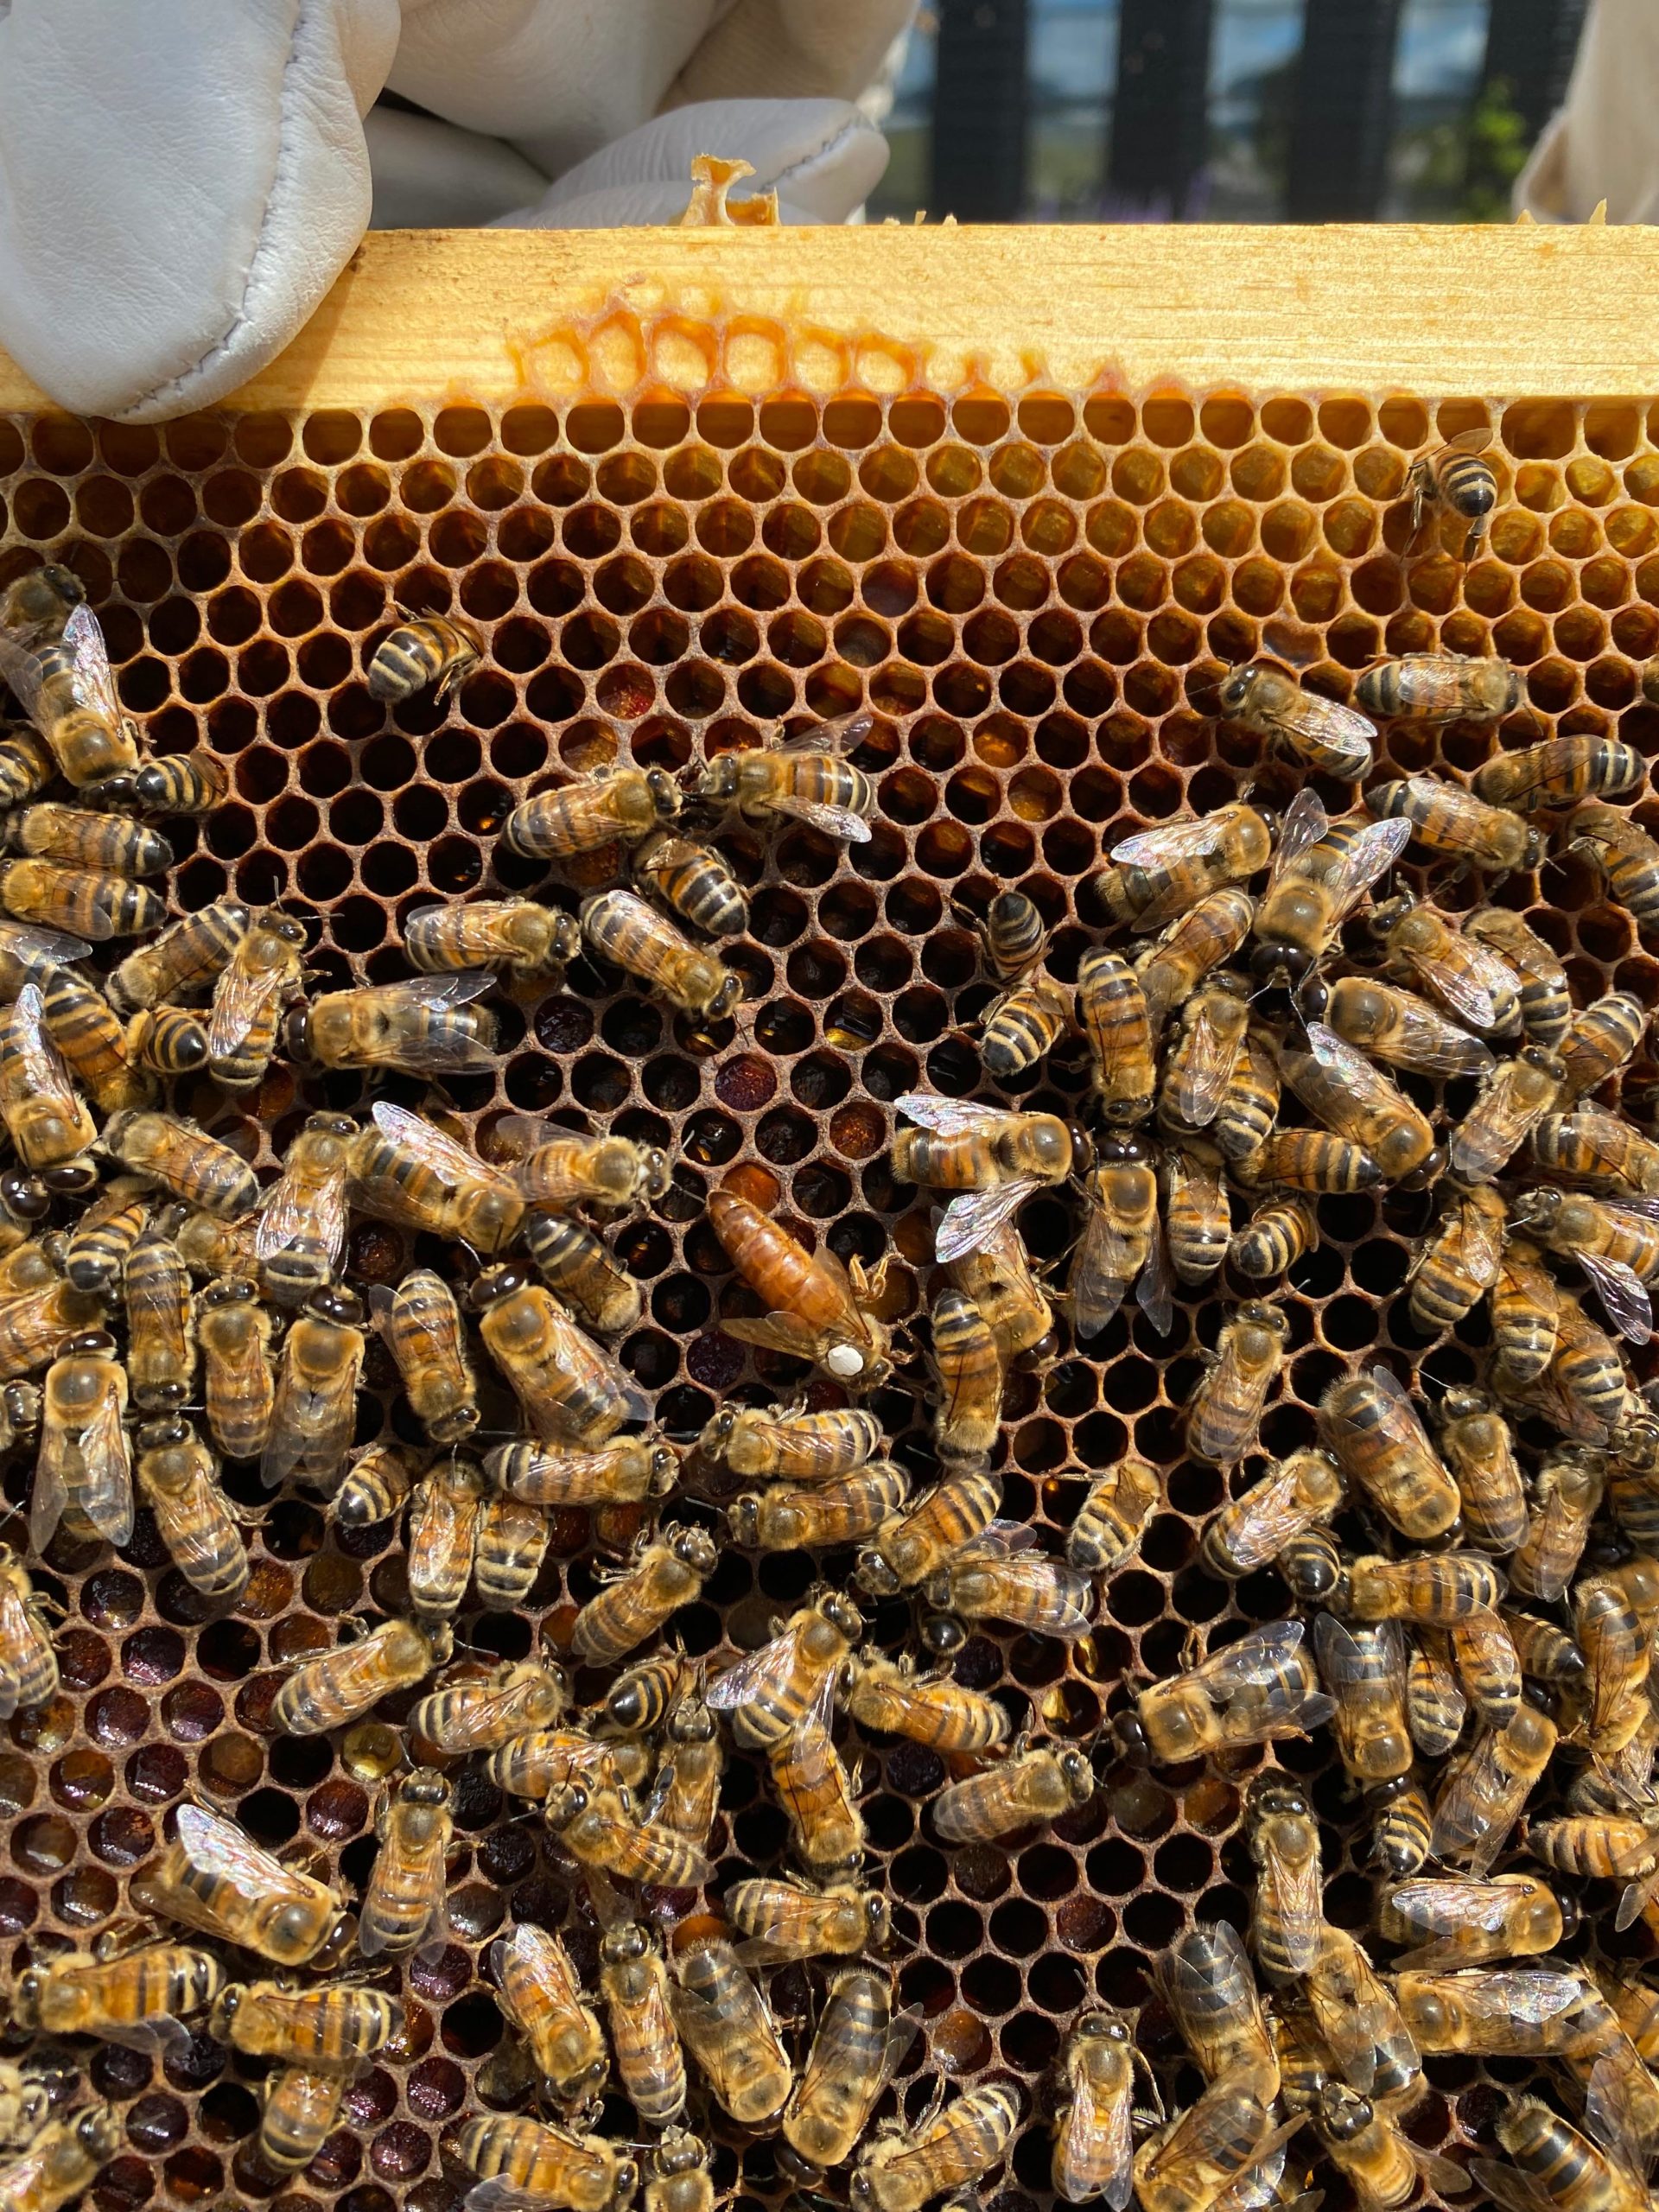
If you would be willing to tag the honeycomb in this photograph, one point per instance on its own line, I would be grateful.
(1034, 595)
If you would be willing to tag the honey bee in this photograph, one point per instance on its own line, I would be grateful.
(445, 1509)
(407, 1170)
(783, 1920)
(1626, 858)
(540, 1764)
(1526, 1314)
(1452, 1923)
(1546, 1653)
(485, 1711)
(184, 957)
(804, 779)
(1014, 934)
(811, 1516)
(542, 1997)
(181, 783)
(27, 765)
(1561, 772)
(614, 805)
(1196, 1216)
(1566, 1493)
(1319, 874)
(41, 600)
(334, 1688)
(404, 1903)
(1449, 819)
(632, 936)
(1545, 1000)
(25, 2106)
(992, 1159)
(998, 1577)
(1436, 1708)
(1469, 980)
(1397, 1026)
(524, 2160)
(426, 1027)
(821, 1311)
(765, 1694)
(1113, 1515)
(1601, 1039)
(1029, 1786)
(1556, 2166)
(1604, 1846)
(1333, 739)
(969, 1373)
(1481, 1795)
(1205, 1981)
(1368, 2146)
(1438, 687)
(797, 1445)
(241, 1392)
(1616, 1247)
(1479, 1452)
(161, 1324)
(81, 1031)
(1358, 1102)
(29, 1664)
(1158, 874)
(315, 1409)
(64, 685)
(997, 1277)
(1225, 1410)
(140, 1998)
(84, 902)
(107, 842)
(184, 1159)
(213, 1879)
(571, 1391)
(1525, 2012)
(1401, 1823)
(813, 1788)
(854, 2054)
(163, 1040)
(1590, 1145)
(1370, 1427)
(1214, 2152)
(209, 1247)
(686, 1796)
(1255, 1690)
(176, 1478)
(577, 1265)
(694, 879)
(328, 2027)
(1514, 1099)
(1284, 1843)
(1093, 2150)
(1364, 1669)
(33, 1327)
(49, 1125)
(440, 650)
(423, 1331)
(1253, 1530)
(1359, 2018)
(650, 2063)
(61, 2161)
(906, 2165)
(1022, 1025)
(643, 1696)
(663, 1576)
(83, 1472)
(1488, 1667)
(1460, 1260)
(507, 1553)
(1199, 1072)
(626, 1472)
(1454, 479)
(380, 1479)
(1115, 1020)
(727, 2025)
(301, 1228)
(930, 1709)
(1610, 1629)
(1307, 1160)
(1279, 1233)
(609, 1172)
(530, 939)
(1587, 1371)
(1120, 1243)
(1434, 1588)
(1194, 943)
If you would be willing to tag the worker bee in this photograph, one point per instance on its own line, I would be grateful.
(29, 1664)
(1211, 1035)
(1279, 1233)
(27, 765)
(613, 805)
(61, 2161)
(1590, 1145)
(176, 1478)
(33, 1328)
(403, 1905)
(547, 1760)
(184, 1159)
(210, 1246)
(1222, 2151)
(1449, 819)
(783, 1920)
(530, 939)
(727, 2025)
(1616, 1248)
(1555, 2165)
(765, 1694)
(650, 2063)
(445, 1508)
(407, 1170)
(1257, 1689)
(162, 1041)
(594, 1825)
(1366, 2144)
(1022, 1025)
(508, 1550)
(98, 1246)
(1402, 1822)
(1253, 1530)
(625, 1471)
(314, 1410)
(1120, 1243)
(1545, 1001)
(262, 976)
(439, 650)
(161, 1324)
(797, 1445)
(571, 1391)
(1450, 1922)
(1526, 1307)
(424, 1330)
(1359, 2018)
(1479, 1452)
(1604, 1846)
(1626, 858)
(1357, 1101)
(334, 1688)
(1566, 1491)
(328, 2027)
(1124, 1070)
(1518, 2012)
(1205, 1981)
(1437, 688)
(1194, 943)
(609, 1172)
(84, 901)
(1436, 1708)
(301, 1228)
(139, 1998)
(49, 1125)
(239, 1391)
(426, 1027)
(542, 1997)
(1561, 772)
(686, 1795)
(1587, 1372)
(1307, 1160)
(213, 1877)
(32, 1263)
(1460, 1260)
(526, 2160)
(1284, 1843)
(998, 1577)
(64, 685)
(106, 842)
(1319, 874)
(83, 1472)
(1225, 1410)
(42, 599)
(1610, 1628)
(1157, 874)
(997, 1278)
(887, 1694)
(663, 1576)
(1397, 1026)
(1435, 1588)
(622, 929)
(812, 1786)
(1601, 1039)
(183, 959)
(1481, 1795)
(1028, 1786)
(179, 783)
(576, 1264)
(642, 1696)
(854, 2054)
(1455, 480)
(804, 778)
(811, 1516)
(1113, 1515)
(907, 2165)
(485, 1711)
(1514, 1099)
(1093, 2144)
(694, 879)
(1364, 1669)
(821, 1311)
(1014, 934)
(1469, 978)
(994, 1160)
(1334, 739)
(1370, 1427)
(969, 1373)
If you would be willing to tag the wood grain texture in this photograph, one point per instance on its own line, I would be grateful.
(493, 315)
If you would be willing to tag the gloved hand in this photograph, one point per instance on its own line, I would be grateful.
(181, 182)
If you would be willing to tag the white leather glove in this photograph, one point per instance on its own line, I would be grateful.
(1603, 143)
(181, 182)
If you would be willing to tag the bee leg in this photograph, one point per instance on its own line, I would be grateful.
(111, 1943)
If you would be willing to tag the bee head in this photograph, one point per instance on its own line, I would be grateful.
(495, 1283)
(1130, 1737)
(875, 1576)
(162, 1435)
(333, 1302)
(743, 1517)
(696, 1549)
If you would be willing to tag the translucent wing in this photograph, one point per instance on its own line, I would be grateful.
(23, 674)
(1623, 1293)
(244, 997)
(45, 948)
(1347, 1069)
(90, 681)
(1208, 1058)
(1100, 1273)
(974, 1216)
(1508, 2187)
(1470, 441)
(780, 1332)
(1371, 852)
(1305, 822)
(1097, 2139)
(764, 1672)
(1048, 1591)
(1612, 2117)
(103, 1493)
(16, 1629)
(1431, 1045)
(35, 1067)
(1154, 1293)
(1001, 1537)
(833, 820)
(1294, 1892)
(949, 1117)
(498, 2195)
(220, 1846)
(844, 734)
(1178, 841)
(313, 1426)
(429, 1050)
(1327, 724)
(303, 1207)
(1254, 1660)
(436, 1149)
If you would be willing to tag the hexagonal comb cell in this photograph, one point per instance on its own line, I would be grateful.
(1035, 597)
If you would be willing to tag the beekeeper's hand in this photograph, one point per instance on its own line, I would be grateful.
(1604, 144)
(181, 182)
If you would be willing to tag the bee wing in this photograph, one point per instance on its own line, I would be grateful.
(93, 683)
(1295, 1893)
(1372, 852)
(34, 1068)
(1060, 1591)
(307, 1424)
(1255, 1659)
(1434, 1046)
(436, 1149)
(46, 948)
(780, 1332)
(833, 820)
(1097, 2136)
(1612, 2117)
(220, 1846)
(1305, 822)
(296, 1209)
(243, 997)
(1342, 1659)
(1176, 840)
(765, 1671)
(437, 1053)
(845, 734)
(106, 1469)
(20, 669)
(1475, 441)
(1154, 1293)
(1207, 1063)
(51, 1487)
(948, 1117)
(1623, 1293)
(499, 2194)
(1186, 1986)
(974, 1216)
(1098, 1276)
